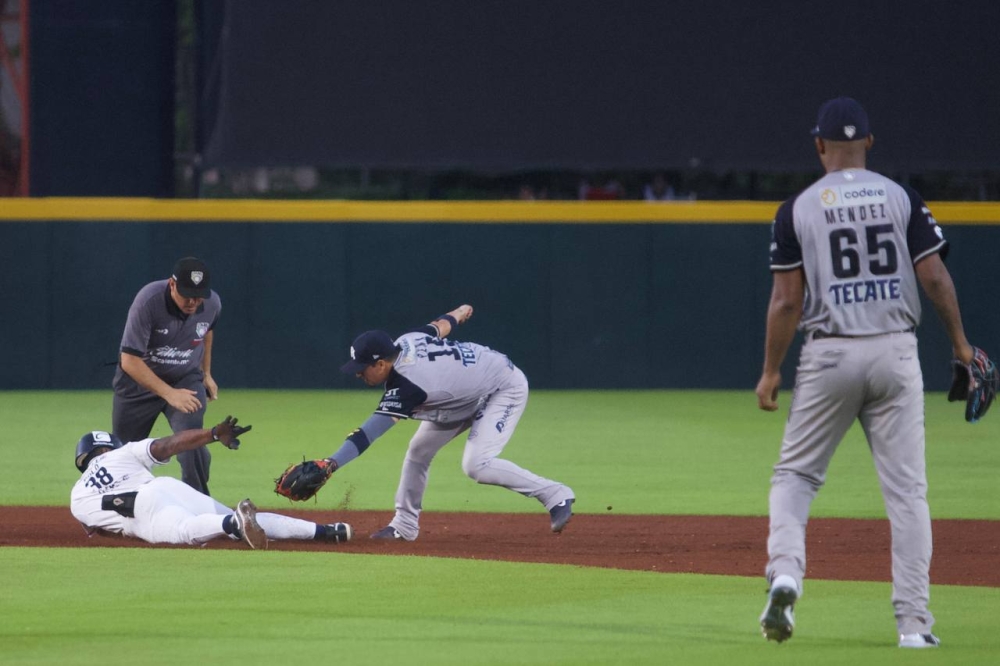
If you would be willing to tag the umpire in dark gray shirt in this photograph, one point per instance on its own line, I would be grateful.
(165, 364)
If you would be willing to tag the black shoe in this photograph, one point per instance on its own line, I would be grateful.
(335, 532)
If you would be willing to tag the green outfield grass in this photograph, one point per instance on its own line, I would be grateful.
(662, 452)
(122, 606)
(642, 452)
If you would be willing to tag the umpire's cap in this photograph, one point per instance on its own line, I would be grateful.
(368, 348)
(94, 440)
(842, 119)
(192, 277)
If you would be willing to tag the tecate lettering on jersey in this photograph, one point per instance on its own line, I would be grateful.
(852, 195)
(863, 291)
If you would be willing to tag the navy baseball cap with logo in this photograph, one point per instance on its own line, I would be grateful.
(192, 278)
(842, 119)
(368, 348)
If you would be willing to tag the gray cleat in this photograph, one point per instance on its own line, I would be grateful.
(248, 527)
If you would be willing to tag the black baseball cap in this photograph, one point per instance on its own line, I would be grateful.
(368, 348)
(192, 277)
(842, 119)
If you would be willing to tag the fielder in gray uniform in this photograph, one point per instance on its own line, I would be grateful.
(165, 365)
(846, 256)
(450, 387)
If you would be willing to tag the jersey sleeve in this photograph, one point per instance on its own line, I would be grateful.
(401, 398)
(786, 252)
(138, 327)
(140, 451)
(923, 235)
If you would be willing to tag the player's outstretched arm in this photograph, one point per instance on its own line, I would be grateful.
(447, 322)
(361, 438)
(226, 432)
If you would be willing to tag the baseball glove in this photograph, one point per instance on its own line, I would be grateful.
(975, 383)
(302, 481)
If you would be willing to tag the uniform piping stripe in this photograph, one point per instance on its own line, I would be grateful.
(929, 252)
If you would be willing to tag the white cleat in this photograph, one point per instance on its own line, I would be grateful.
(919, 641)
(777, 620)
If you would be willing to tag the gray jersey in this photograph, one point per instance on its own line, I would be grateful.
(169, 341)
(442, 380)
(862, 234)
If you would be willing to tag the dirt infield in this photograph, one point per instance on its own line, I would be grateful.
(965, 551)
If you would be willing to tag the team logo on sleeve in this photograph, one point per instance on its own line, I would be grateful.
(201, 328)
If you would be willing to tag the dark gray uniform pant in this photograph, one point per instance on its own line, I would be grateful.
(135, 410)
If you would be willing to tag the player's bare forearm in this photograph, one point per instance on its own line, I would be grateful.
(167, 447)
(226, 432)
(783, 315)
(461, 314)
(137, 369)
(940, 289)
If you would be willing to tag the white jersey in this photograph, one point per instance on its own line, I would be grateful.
(442, 380)
(119, 471)
(856, 235)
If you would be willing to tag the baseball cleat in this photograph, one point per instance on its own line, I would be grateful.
(336, 532)
(777, 620)
(919, 641)
(248, 527)
(387, 532)
(561, 513)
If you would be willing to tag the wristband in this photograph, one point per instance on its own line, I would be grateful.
(451, 320)
(215, 437)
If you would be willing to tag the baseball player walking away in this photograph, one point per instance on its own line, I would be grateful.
(450, 387)
(847, 254)
(165, 364)
(118, 494)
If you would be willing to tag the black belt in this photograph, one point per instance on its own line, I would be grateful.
(819, 335)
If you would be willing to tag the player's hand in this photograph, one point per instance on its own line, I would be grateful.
(462, 313)
(211, 388)
(767, 391)
(184, 400)
(227, 432)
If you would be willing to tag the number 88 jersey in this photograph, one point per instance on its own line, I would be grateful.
(856, 235)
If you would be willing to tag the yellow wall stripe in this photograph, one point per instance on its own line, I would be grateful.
(244, 210)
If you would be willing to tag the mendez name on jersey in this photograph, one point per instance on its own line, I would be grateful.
(863, 228)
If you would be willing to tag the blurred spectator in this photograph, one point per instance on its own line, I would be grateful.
(659, 190)
(611, 190)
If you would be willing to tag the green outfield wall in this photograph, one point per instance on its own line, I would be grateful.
(579, 294)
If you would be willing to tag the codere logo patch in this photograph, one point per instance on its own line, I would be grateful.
(853, 195)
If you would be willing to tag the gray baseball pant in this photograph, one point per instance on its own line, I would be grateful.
(491, 429)
(135, 410)
(876, 380)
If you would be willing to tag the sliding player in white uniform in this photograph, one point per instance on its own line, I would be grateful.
(118, 494)
(450, 387)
